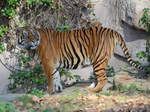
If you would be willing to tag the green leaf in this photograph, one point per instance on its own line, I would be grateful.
(141, 54)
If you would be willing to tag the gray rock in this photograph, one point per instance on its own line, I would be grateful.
(130, 11)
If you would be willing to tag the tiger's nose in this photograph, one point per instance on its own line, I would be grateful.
(28, 47)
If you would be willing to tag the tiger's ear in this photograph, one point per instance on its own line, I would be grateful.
(25, 33)
(36, 34)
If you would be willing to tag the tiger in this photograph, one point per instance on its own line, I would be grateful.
(69, 49)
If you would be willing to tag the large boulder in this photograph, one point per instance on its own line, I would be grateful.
(130, 11)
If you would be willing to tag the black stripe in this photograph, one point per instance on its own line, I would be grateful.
(102, 30)
(64, 58)
(83, 44)
(97, 61)
(101, 75)
(129, 59)
(64, 63)
(84, 31)
(100, 63)
(86, 52)
(76, 37)
(84, 40)
(96, 30)
(65, 50)
(67, 64)
(54, 73)
(111, 34)
(121, 44)
(100, 70)
(81, 36)
(124, 49)
(99, 51)
(59, 65)
(94, 38)
(78, 58)
(81, 50)
(71, 56)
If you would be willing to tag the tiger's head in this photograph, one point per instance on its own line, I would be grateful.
(28, 38)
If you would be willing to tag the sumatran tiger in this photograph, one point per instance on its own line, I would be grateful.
(69, 49)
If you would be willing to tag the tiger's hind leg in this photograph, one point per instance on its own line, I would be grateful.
(100, 75)
(92, 80)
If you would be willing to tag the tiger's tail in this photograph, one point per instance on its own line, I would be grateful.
(126, 52)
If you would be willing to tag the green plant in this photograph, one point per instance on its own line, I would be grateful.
(37, 92)
(110, 71)
(130, 88)
(31, 2)
(41, 2)
(68, 75)
(145, 20)
(3, 29)
(29, 80)
(9, 10)
(48, 110)
(2, 48)
(7, 107)
(63, 28)
(141, 54)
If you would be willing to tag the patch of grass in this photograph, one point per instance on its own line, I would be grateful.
(7, 107)
(130, 88)
(37, 92)
(77, 91)
(48, 110)
(107, 94)
(78, 100)
(68, 97)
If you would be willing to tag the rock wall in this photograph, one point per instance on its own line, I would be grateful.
(130, 11)
(123, 16)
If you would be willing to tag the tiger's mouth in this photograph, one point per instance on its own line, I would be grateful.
(30, 47)
(27, 45)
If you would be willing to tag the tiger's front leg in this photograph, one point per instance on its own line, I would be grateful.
(57, 82)
(53, 78)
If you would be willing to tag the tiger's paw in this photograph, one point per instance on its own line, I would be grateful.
(57, 83)
(90, 87)
(57, 86)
